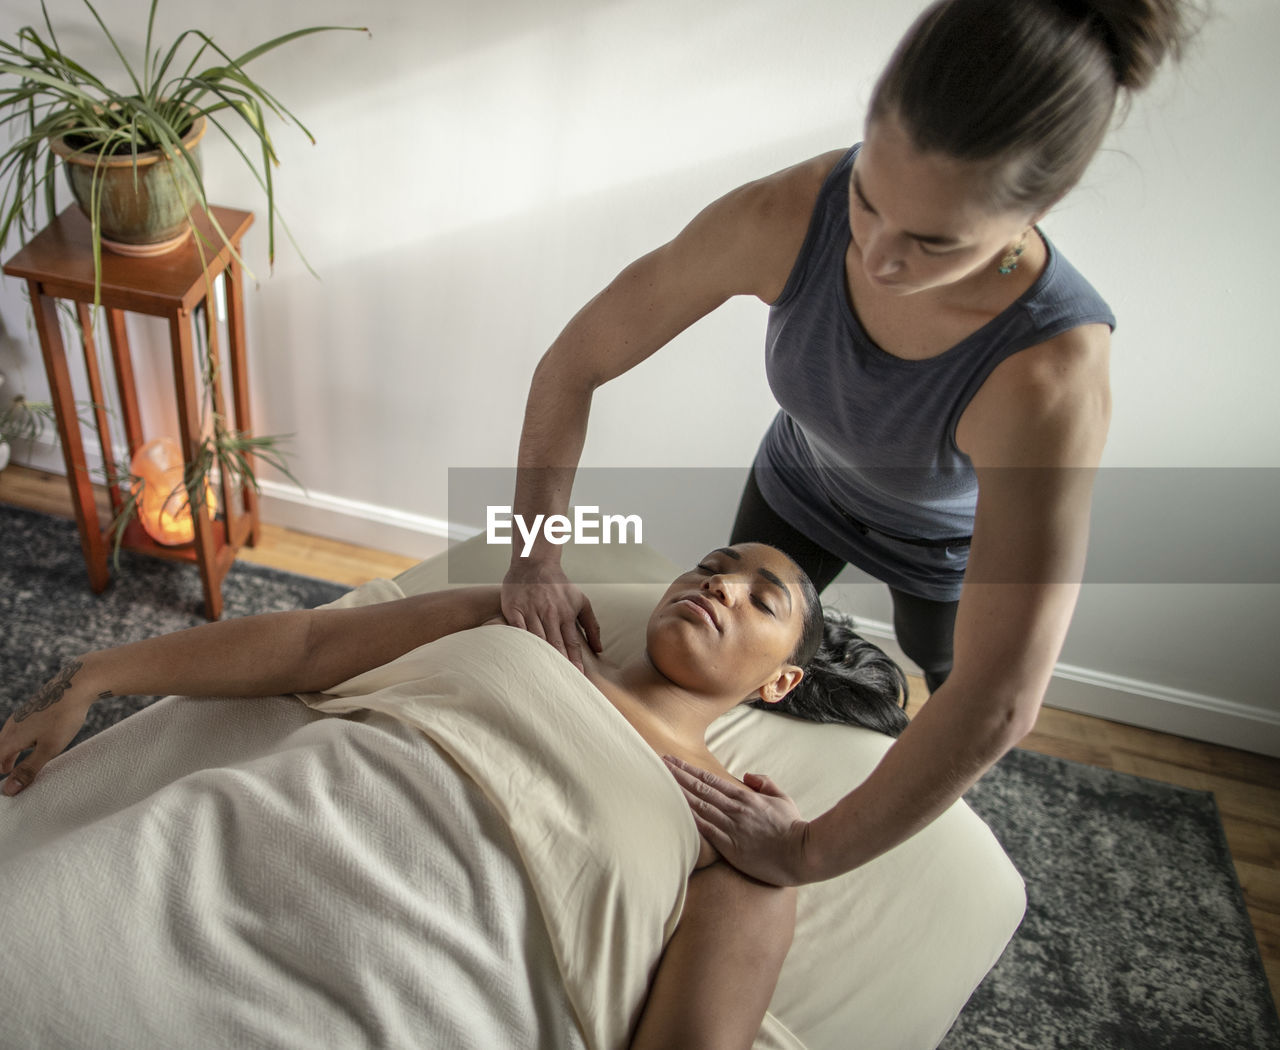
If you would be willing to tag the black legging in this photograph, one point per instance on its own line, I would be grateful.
(924, 627)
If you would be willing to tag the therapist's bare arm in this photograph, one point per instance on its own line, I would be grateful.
(1040, 435)
(1035, 473)
(286, 652)
(743, 244)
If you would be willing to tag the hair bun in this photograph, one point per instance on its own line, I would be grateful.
(1138, 34)
(1027, 86)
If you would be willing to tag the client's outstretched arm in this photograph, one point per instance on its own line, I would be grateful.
(288, 652)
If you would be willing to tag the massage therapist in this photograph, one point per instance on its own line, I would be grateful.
(942, 372)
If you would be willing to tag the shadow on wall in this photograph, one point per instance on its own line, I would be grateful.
(422, 352)
(555, 109)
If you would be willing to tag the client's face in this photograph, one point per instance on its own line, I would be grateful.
(731, 624)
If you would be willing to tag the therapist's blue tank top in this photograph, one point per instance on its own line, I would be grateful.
(862, 457)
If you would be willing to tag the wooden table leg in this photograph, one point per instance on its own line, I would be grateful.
(231, 513)
(54, 352)
(100, 411)
(189, 425)
(125, 385)
(233, 283)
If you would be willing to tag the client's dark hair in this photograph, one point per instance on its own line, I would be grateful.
(847, 680)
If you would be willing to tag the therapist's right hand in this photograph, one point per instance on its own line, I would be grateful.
(538, 597)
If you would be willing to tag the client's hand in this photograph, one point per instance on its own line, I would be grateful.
(756, 828)
(45, 725)
(538, 597)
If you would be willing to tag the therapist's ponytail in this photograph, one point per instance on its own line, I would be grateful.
(848, 681)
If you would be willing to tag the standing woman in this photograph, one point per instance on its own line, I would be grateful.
(943, 377)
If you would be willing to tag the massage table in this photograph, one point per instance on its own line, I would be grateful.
(466, 848)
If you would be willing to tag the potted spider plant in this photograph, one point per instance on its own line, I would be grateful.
(132, 155)
(132, 161)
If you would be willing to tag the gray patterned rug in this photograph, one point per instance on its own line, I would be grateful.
(49, 614)
(1136, 935)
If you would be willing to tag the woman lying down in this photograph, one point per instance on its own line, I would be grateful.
(745, 623)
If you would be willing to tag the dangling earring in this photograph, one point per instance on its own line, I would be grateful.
(1009, 262)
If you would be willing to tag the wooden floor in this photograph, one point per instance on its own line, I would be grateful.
(1246, 786)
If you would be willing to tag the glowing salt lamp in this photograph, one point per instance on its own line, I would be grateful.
(162, 496)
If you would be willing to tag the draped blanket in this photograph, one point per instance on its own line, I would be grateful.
(466, 848)
(497, 863)
(602, 829)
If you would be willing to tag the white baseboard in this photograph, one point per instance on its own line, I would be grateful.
(41, 454)
(317, 513)
(1169, 710)
(1148, 705)
(1103, 695)
(355, 522)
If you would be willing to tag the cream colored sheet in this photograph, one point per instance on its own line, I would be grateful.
(604, 833)
(215, 873)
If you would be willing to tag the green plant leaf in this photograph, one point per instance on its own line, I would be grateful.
(128, 68)
(146, 49)
(55, 95)
(45, 94)
(279, 41)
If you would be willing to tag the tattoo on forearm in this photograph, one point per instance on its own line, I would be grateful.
(51, 692)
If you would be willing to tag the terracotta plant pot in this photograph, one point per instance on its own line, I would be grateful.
(144, 214)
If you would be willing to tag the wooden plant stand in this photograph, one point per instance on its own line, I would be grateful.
(58, 264)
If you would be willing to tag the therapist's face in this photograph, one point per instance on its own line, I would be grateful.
(920, 220)
(729, 625)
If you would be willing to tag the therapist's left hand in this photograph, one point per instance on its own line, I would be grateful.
(755, 826)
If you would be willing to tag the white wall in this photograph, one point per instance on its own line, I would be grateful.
(482, 169)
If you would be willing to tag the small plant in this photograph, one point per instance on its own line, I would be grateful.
(57, 99)
(222, 453)
(24, 420)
